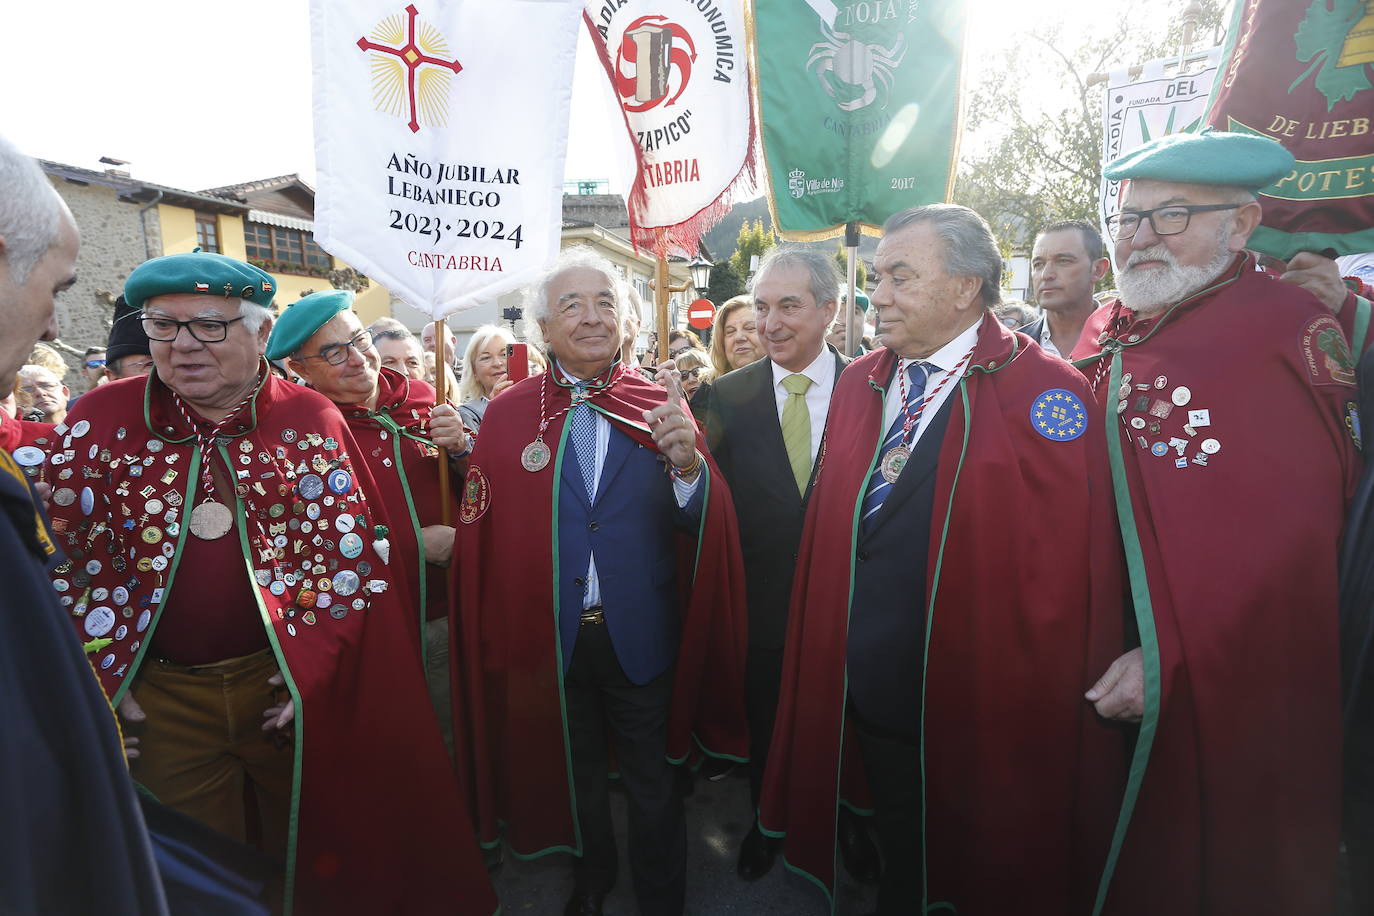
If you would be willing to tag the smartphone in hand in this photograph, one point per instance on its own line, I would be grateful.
(517, 361)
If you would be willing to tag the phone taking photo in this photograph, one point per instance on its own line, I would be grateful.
(517, 362)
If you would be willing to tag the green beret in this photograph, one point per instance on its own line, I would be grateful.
(199, 272)
(859, 299)
(1209, 157)
(299, 322)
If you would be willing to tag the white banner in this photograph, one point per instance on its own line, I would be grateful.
(1158, 101)
(680, 71)
(440, 133)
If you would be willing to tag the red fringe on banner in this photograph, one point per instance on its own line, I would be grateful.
(682, 237)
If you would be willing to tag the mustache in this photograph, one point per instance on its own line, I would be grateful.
(1153, 253)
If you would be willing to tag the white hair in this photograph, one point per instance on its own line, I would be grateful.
(537, 305)
(37, 373)
(1153, 292)
(469, 389)
(30, 212)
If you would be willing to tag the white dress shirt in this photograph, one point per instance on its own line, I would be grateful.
(681, 489)
(822, 375)
(944, 360)
(1046, 340)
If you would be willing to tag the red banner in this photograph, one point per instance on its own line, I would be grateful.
(1299, 71)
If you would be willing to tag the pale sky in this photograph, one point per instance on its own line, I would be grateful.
(197, 94)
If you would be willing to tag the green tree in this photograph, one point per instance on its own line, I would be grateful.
(725, 282)
(842, 262)
(1044, 159)
(754, 239)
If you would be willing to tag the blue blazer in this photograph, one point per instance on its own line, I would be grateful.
(632, 527)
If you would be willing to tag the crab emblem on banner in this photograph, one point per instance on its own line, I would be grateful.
(681, 77)
(851, 71)
(440, 166)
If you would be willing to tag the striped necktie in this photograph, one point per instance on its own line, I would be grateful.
(878, 488)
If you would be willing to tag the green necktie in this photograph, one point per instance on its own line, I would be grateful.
(796, 428)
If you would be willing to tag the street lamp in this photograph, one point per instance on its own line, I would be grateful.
(700, 269)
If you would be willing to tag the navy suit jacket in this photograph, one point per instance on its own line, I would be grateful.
(633, 528)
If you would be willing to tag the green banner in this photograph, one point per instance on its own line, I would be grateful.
(859, 104)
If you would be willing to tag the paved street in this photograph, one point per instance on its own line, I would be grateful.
(717, 819)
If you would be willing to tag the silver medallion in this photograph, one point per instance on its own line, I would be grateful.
(893, 462)
(536, 456)
(211, 520)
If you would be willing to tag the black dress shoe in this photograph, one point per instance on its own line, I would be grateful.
(756, 854)
(584, 903)
(857, 849)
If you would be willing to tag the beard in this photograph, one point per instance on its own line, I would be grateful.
(1149, 292)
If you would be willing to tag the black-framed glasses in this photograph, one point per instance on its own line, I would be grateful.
(205, 330)
(1170, 220)
(337, 354)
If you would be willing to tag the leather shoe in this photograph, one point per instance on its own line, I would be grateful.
(756, 854)
(584, 903)
(857, 849)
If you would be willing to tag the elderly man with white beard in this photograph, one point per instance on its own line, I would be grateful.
(1233, 452)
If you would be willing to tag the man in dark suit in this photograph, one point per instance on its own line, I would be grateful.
(918, 661)
(764, 430)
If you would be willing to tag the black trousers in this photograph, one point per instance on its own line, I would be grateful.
(762, 682)
(603, 704)
(1359, 820)
(893, 763)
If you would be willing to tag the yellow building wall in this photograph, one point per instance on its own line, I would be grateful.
(179, 235)
(178, 227)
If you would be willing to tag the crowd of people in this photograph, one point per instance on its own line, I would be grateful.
(1070, 619)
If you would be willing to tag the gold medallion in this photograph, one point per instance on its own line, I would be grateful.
(211, 520)
(893, 462)
(535, 457)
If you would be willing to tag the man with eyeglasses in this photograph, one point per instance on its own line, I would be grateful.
(45, 391)
(230, 558)
(1233, 439)
(324, 343)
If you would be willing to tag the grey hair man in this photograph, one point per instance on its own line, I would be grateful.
(69, 771)
(46, 391)
(763, 426)
(398, 348)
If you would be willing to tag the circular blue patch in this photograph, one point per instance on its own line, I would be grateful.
(340, 481)
(1059, 415)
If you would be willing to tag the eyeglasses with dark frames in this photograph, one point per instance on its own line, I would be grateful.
(1170, 220)
(205, 330)
(337, 354)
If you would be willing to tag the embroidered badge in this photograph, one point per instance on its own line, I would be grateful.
(1326, 353)
(476, 496)
(1352, 423)
(1059, 415)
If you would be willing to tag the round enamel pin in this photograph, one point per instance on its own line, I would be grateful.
(1059, 415)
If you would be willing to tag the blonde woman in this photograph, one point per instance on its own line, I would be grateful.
(735, 340)
(484, 372)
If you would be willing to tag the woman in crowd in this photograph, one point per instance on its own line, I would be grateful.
(484, 372)
(695, 367)
(735, 340)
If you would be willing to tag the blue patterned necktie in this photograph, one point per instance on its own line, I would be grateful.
(584, 439)
(878, 488)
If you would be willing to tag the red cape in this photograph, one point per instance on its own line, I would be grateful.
(358, 844)
(15, 433)
(1238, 807)
(1023, 611)
(505, 620)
(393, 442)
